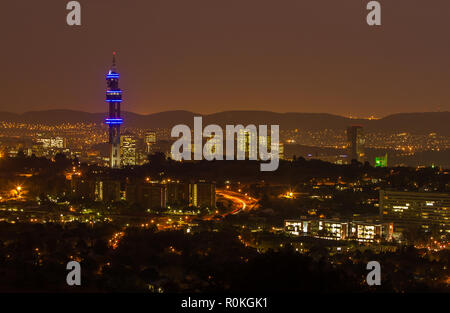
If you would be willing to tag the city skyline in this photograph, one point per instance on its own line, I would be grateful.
(210, 193)
(297, 58)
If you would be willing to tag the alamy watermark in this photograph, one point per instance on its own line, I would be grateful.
(252, 143)
(73, 17)
(73, 278)
(374, 276)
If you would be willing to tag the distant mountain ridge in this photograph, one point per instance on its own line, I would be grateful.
(422, 123)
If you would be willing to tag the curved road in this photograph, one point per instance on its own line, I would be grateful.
(241, 201)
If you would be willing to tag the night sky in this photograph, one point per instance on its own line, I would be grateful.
(215, 55)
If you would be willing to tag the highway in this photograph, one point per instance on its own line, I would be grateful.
(241, 202)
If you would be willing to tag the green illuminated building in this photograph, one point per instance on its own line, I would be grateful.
(381, 161)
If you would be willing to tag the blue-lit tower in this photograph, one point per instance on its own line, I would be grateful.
(113, 98)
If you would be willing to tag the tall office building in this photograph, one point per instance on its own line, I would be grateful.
(172, 194)
(128, 149)
(281, 151)
(212, 144)
(97, 189)
(147, 195)
(113, 98)
(107, 190)
(266, 142)
(204, 194)
(150, 140)
(247, 141)
(178, 194)
(421, 209)
(250, 143)
(355, 143)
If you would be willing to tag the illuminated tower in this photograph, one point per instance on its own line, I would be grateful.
(113, 98)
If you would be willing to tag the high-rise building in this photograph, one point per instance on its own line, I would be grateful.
(177, 194)
(355, 143)
(96, 189)
(281, 151)
(265, 142)
(422, 209)
(128, 150)
(213, 145)
(150, 140)
(114, 120)
(150, 195)
(204, 194)
(107, 190)
(173, 194)
(83, 188)
(247, 141)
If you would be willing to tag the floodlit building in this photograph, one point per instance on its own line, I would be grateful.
(326, 229)
(340, 230)
(330, 229)
(364, 231)
(128, 150)
(422, 209)
(58, 142)
(52, 142)
(298, 227)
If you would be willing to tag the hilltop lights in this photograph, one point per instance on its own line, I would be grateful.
(288, 195)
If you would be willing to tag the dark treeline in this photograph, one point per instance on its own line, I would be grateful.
(33, 258)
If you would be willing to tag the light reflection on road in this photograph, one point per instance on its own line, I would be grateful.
(241, 201)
